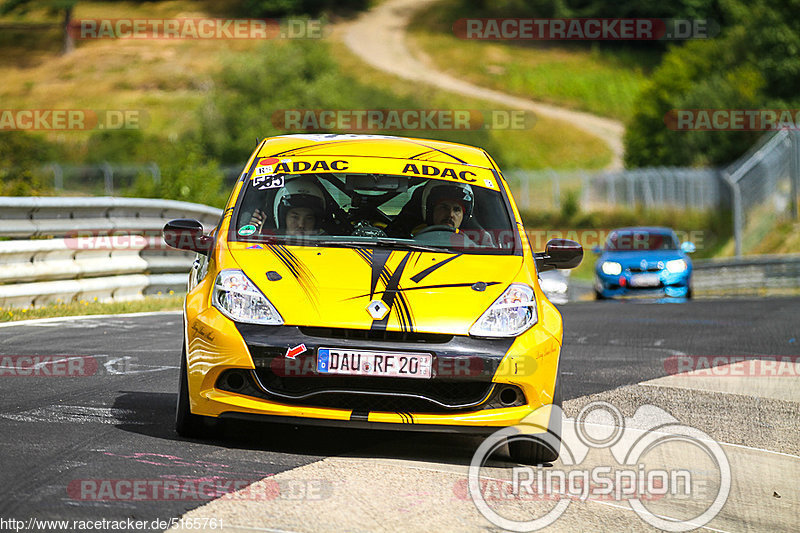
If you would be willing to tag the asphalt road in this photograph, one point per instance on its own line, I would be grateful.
(59, 435)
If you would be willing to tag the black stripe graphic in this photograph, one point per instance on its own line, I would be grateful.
(416, 278)
(401, 290)
(304, 278)
(390, 294)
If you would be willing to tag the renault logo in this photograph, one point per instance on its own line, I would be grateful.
(643, 264)
(377, 309)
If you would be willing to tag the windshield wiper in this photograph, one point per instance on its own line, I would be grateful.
(382, 242)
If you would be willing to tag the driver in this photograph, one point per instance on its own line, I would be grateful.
(446, 204)
(299, 208)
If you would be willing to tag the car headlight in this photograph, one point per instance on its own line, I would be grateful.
(511, 314)
(676, 266)
(239, 299)
(611, 268)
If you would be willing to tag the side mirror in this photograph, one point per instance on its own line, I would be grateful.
(187, 234)
(559, 253)
(688, 247)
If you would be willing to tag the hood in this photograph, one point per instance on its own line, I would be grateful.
(333, 287)
(633, 259)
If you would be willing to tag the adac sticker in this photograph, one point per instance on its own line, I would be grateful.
(247, 230)
(291, 353)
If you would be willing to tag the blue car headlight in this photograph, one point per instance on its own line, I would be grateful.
(611, 268)
(676, 266)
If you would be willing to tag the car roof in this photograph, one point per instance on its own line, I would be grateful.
(383, 146)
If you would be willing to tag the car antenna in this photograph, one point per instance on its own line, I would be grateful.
(257, 141)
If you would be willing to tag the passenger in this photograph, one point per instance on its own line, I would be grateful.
(299, 208)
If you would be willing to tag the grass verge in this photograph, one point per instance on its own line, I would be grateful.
(548, 144)
(583, 76)
(170, 302)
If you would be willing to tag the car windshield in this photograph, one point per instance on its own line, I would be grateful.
(374, 210)
(641, 240)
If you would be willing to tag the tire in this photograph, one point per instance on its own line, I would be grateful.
(689, 294)
(186, 424)
(598, 295)
(540, 449)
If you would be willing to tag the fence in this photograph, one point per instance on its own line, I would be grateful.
(657, 187)
(85, 248)
(111, 178)
(753, 276)
(764, 183)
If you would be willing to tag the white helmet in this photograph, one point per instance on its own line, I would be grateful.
(299, 192)
(436, 191)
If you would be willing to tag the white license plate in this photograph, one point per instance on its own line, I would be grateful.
(367, 363)
(645, 280)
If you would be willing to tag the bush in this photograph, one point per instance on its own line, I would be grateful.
(21, 156)
(293, 75)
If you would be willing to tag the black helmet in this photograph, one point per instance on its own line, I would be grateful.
(437, 191)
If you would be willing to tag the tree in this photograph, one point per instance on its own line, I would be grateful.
(53, 6)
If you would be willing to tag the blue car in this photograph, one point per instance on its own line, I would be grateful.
(643, 261)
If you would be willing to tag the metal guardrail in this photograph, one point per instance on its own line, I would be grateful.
(73, 249)
(749, 275)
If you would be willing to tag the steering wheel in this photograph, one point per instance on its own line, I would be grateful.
(437, 227)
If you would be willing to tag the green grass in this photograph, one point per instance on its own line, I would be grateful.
(169, 302)
(582, 76)
(548, 144)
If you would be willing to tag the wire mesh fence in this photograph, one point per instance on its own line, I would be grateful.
(658, 187)
(764, 185)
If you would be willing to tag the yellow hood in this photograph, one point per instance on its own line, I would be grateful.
(332, 287)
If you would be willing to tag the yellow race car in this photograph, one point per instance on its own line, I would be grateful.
(371, 282)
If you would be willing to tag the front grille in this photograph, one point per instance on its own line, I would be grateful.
(653, 268)
(449, 392)
(374, 335)
(365, 394)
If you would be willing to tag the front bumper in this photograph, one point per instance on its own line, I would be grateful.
(669, 284)
(463, 393)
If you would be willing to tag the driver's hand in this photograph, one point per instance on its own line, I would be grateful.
(258, 219)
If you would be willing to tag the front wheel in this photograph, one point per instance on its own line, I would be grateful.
(541, 448)
(186, 424)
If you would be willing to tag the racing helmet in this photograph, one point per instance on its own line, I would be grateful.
(436, 191)
(299, 192)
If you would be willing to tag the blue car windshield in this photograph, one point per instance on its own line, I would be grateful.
(637, 241)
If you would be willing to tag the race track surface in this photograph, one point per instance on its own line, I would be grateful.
(62, 436)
